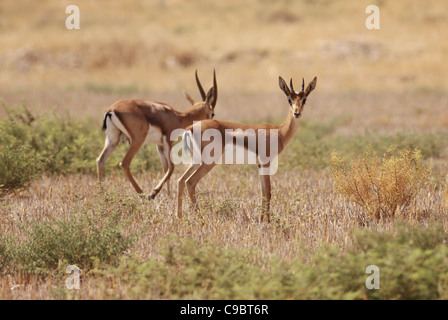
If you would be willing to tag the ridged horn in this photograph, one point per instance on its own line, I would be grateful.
(201, 90)
(215, 89)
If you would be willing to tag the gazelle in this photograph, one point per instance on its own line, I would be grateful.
(194, 142)
(143, 122)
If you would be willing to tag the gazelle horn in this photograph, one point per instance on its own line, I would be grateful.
(201, 90)
(215, 89)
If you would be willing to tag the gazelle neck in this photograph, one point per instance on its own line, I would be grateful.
(195, 113)
(288, 129)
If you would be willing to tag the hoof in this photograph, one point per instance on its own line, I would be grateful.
(141, 196)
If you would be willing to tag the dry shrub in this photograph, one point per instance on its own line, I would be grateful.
(382, 186)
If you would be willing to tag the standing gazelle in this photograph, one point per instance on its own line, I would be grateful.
(195, 141)
(143, 122)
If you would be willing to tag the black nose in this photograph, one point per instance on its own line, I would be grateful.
(296, 115)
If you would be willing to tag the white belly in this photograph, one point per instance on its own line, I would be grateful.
(154, 136)
(236, 154)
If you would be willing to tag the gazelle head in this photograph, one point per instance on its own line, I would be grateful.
(208, 100)
(297, 99)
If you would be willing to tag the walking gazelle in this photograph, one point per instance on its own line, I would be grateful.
(259, 134)
(144, 122)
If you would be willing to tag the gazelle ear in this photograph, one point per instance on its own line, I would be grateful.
(189, 98)
(282, 84)
(311, 86)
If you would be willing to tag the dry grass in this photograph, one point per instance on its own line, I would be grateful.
(307, 212)
(371, 81)
(154, 48)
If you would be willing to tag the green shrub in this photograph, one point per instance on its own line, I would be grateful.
(62, 144)
(412, 262)
(314, 143)
(19, 163)
(310, 147)
(431, 144)
(189, 270)
(66, 145)
(92, 233)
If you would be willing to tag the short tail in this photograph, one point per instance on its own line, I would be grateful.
(186, 140)
(108, 114)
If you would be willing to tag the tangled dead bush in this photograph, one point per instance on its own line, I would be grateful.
(382, 186)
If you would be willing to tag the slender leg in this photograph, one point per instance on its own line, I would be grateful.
(265, 181)
(193, 180)
(181, 186)
(166, 177)
(112, 140)
(125, 164)
(101, 161)
(164, 161)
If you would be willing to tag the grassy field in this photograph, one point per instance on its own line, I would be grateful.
(380, 88)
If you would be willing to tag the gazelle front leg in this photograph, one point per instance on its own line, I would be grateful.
(166, 149)
(164, 162)
(265, 181)
(162, 182)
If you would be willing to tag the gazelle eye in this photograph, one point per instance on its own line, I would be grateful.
(289, 100)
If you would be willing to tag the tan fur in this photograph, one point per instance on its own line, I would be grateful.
(137, 116)
(286, 131)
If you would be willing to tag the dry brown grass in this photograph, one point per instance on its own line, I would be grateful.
(155, 48)
(306, 212)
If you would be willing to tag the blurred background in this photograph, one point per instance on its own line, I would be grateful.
(388, 79)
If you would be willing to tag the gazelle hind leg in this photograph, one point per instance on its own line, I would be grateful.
(125, 164)
(181, 186)
(193, 180)
(112, 140)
